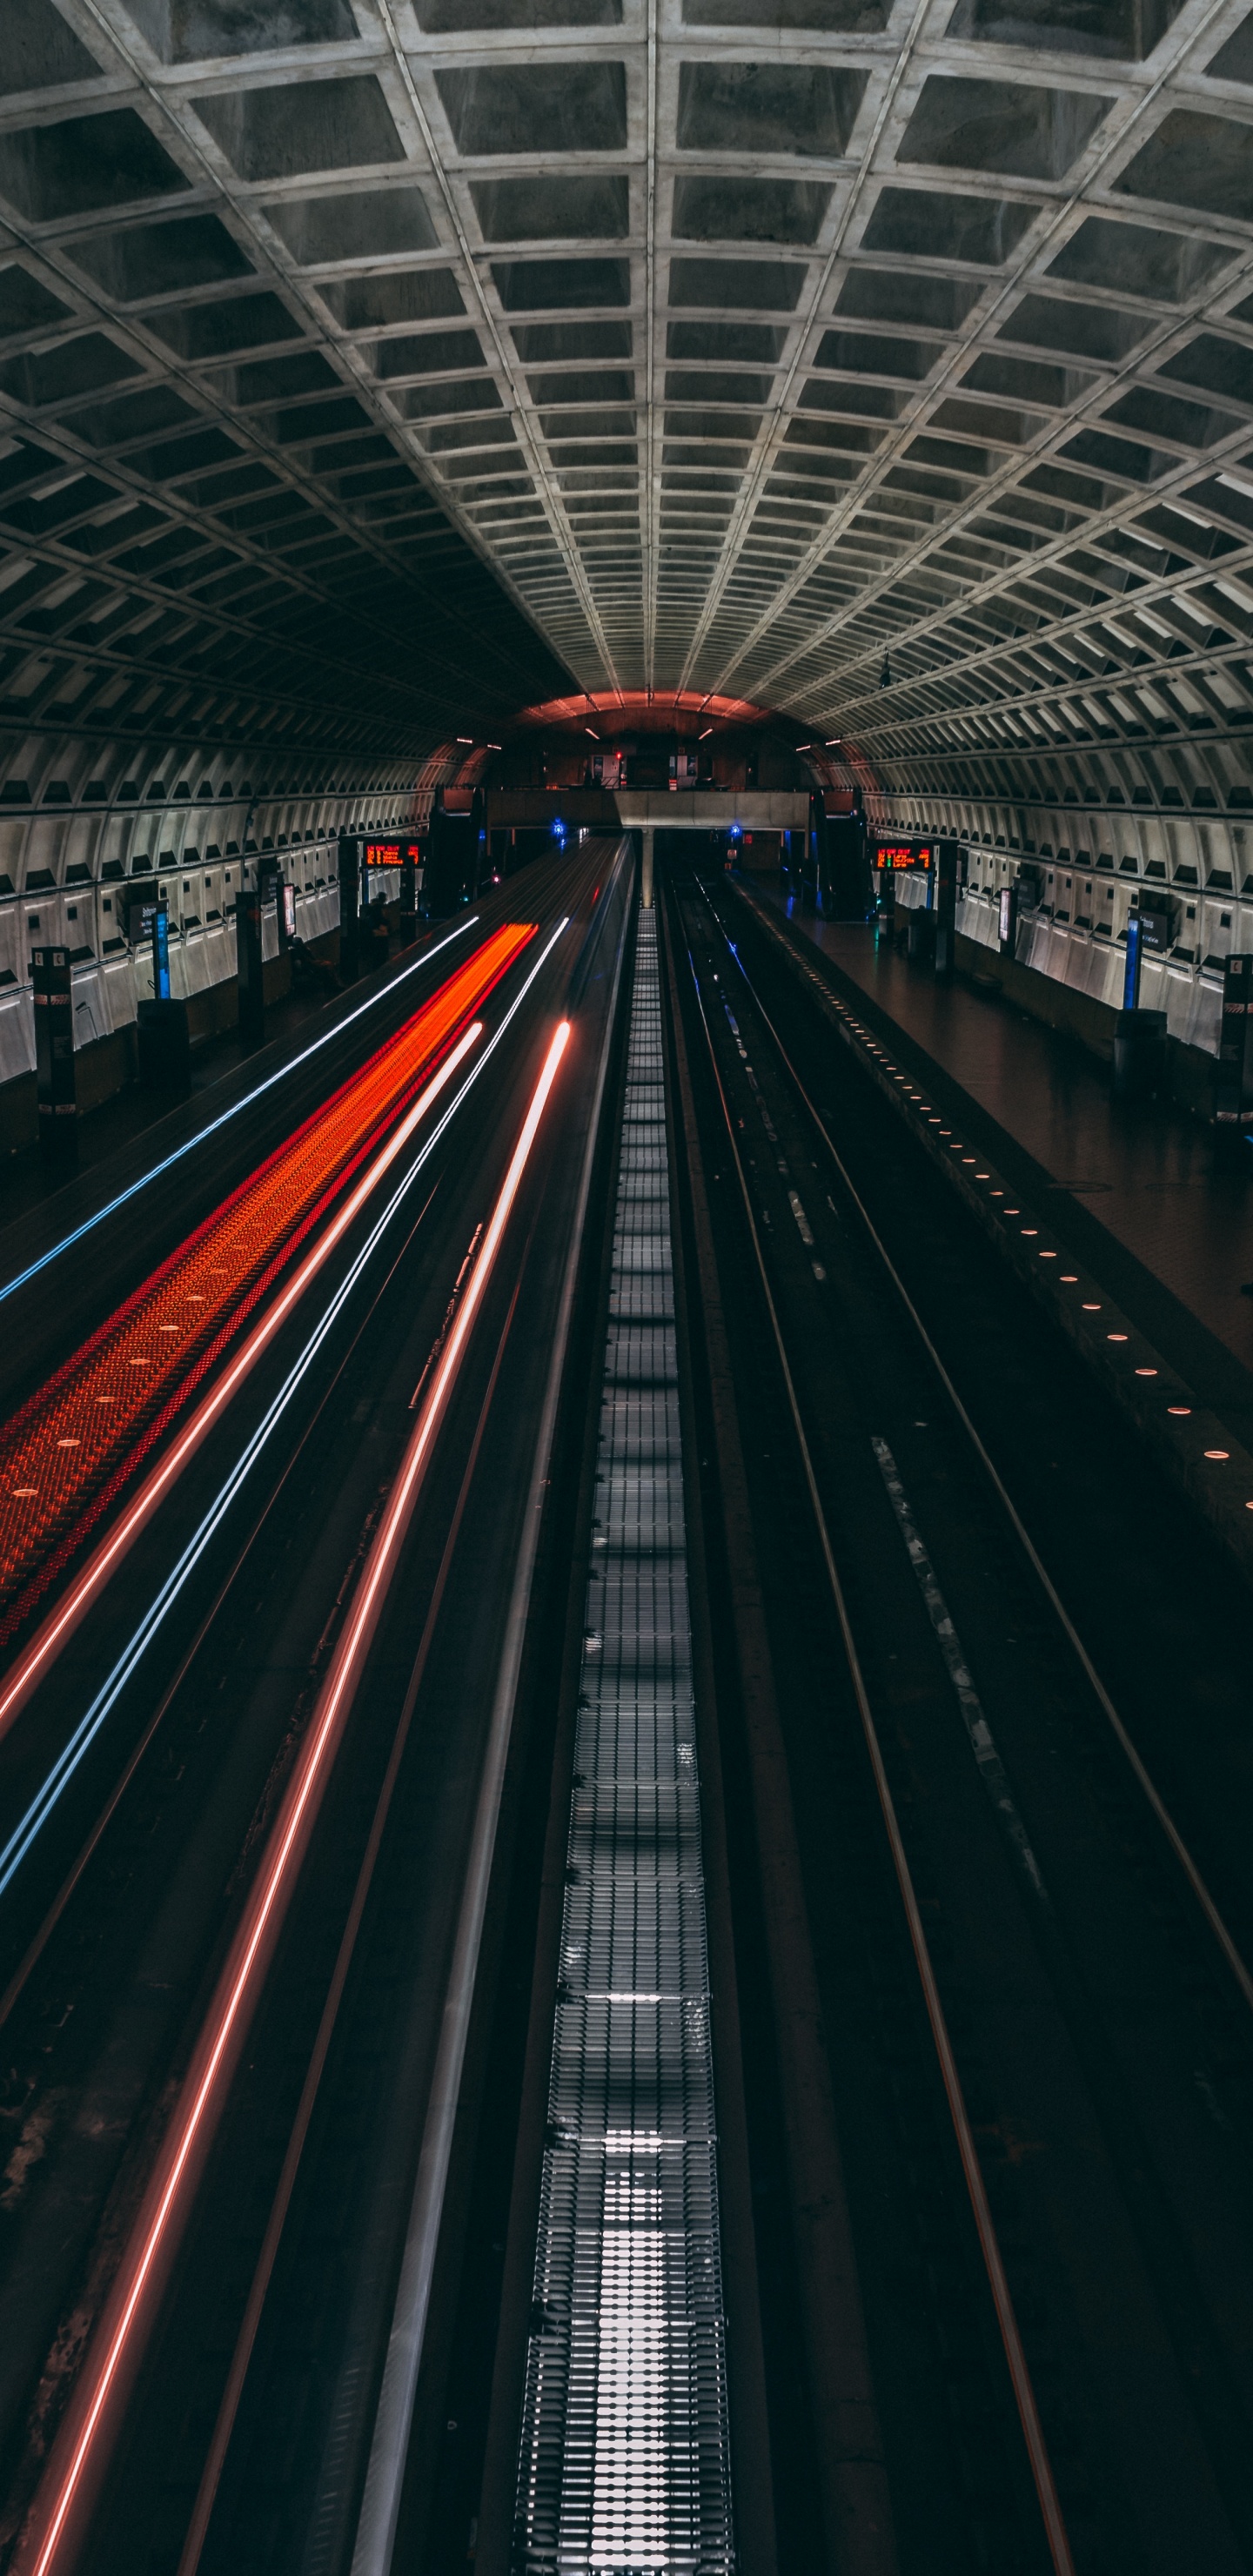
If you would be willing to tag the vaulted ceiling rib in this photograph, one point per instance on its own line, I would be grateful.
(888, 363)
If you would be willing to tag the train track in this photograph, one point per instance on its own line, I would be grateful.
(1046, 2141)
(973, 1808)
(119, 1935)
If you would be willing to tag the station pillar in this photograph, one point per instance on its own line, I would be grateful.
(349, 906)
(948, 862)
(249, 968)
(56, 1089)
(646, 880)
(1233, 1073)
(410, 856)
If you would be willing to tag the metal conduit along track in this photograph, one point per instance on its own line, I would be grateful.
(624, 2459)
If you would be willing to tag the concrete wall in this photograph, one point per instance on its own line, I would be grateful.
(1075, 939)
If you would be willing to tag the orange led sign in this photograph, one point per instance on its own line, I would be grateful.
(904, 854)
(382, 854)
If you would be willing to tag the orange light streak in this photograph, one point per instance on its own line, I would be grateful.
(59, 1626)
(76, 2462)
(72, 1448)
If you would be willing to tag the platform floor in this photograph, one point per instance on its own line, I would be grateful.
(1169, 1191)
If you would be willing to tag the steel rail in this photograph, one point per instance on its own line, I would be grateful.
(1011, 2337)
(1226, 1942)
(245, 2341)
(56, 2530)
(374, 2549)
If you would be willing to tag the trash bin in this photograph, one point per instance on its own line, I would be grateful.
(1139, 1054)
(165, 1047)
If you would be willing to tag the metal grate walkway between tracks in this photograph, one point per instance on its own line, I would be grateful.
(624, 2453)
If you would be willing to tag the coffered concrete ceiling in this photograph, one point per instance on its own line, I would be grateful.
(892, 364)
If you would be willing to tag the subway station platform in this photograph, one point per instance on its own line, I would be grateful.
(1159, 1205)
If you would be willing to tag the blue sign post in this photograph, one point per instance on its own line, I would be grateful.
(150, 921)
(164, 1029)
(160, 954)
(1139, 1035)
(1131, 969)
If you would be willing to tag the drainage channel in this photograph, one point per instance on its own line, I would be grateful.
(624, 2460)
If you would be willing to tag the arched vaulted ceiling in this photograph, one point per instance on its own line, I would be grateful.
(892, 364)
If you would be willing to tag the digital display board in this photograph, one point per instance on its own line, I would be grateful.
(382, 854)
(1156, 931)
(904, 854)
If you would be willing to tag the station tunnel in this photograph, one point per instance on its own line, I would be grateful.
(626, 1287)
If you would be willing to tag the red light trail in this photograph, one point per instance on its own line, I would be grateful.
(72, 1448)
(57, 2529)
(56, 1629)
